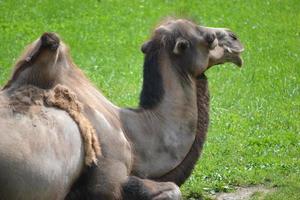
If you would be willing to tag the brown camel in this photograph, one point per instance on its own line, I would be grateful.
(41, 149)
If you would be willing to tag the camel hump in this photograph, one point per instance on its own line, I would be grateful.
(40, 63)
(29, 97)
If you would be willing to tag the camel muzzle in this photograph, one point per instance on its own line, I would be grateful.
(228, 48)
(50, 41)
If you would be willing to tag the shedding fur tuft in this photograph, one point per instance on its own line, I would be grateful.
(61, 97)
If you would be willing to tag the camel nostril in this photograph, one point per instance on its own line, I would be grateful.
(54, 46)
(50, 40)
(232, 35)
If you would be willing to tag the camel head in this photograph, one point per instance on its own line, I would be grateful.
(43, 49)
(41, 62)
(193, 48)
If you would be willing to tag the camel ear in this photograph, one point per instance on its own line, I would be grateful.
(180, 46)
(146, 46)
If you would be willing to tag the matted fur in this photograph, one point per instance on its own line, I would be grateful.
(61, 97)
(27, 97)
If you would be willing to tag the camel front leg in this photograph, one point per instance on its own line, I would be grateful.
(137, 189)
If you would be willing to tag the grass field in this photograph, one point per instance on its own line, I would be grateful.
(254, 135)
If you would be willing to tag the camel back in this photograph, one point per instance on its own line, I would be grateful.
(62, 98)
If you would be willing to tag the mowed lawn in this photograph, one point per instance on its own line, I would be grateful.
(254, 134)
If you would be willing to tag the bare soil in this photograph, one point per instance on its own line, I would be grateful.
(243, 193)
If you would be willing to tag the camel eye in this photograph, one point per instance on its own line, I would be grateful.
(183, 45)
(210, 38)
(180, 46)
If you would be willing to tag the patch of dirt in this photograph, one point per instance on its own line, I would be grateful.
(243, 193)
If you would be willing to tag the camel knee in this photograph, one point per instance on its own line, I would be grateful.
(136, 188)
(171, 192)
(100, 182)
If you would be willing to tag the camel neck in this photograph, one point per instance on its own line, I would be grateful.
(179, 174)
(163, 133)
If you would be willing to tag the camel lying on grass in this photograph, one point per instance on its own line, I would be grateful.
(62, 139)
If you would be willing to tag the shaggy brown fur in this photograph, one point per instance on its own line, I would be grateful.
(24, 97)
(31, 97)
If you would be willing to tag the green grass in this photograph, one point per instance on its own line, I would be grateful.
(254, 134)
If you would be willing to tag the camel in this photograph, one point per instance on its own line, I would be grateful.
(144, 150)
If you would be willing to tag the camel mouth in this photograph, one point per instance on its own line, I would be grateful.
(50, 41)
(235, 58)
(232, 46)
(229, 49)
(238, 51)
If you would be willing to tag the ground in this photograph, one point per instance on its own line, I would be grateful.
(254, 134)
